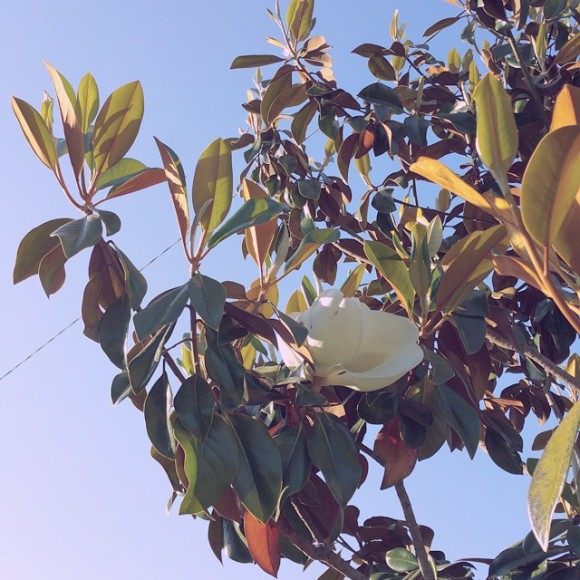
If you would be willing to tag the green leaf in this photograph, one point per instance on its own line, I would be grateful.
(550, 198)
(258, 482)
(380, 94)
(299, 18)
(461, 416)
(393, 269)
(332, 450)
(213, 181)
(35, 131)
(120, 172)
(36, 244)
(381, 68)
(120, 387)
(252, 213)
(217, 464)
(471, 331)
(156, 412)
(254, 60)
(353, 281)
(440, 25)
(516, 557)
(51, 270)
(135, 283)
(297, 329)
(309, 244)
(466, 265)
(142, 366)
(189, 504)
(194, 404)
(87, 104)
(75, 140)
(235, 546)
(442, 370)
(501, 453)
(117, 125)
(226, 371)
(80, 234)
(208, 297)
(113, 330)
(550, 475)
(164, 309)
(401, 560)
(497, 133)
(111, 221)
(295, 461)
(378, 408)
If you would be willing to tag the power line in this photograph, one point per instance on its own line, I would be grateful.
(62, 331)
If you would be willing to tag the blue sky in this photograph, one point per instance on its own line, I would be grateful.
(79, 495)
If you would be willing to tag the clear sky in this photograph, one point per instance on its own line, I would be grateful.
(79, 495)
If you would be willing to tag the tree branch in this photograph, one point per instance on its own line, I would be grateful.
(551, 368)
(320, 553)
(411, 521)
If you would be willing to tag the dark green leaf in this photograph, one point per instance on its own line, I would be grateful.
(135, 283)
(332, 450)
(442, 370)
(380, 94)
(164, 309)
(156, 412)
(309, 189)
(298, 330)
(215, 535)
(412, 432)
(79, 234)
(235, 547)
(258, 482)
(381, 68)
(208, 297)
(295, 461)
(34, 246)
(113, 330)
(471, 332)
(194, 404)
(143, 365)
(383, 201)
(255, 211)
(515, 557)
(111, 221)
(378, 408)
(309, 244)
(120, 387)
(440, 25)
(254, 60)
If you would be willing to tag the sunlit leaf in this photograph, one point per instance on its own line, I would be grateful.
(213, 183)
(401, 560)
(309, 244)
(550, 475)
(120, 172)
(263, 543)
(299, 18)
(567, 106)
(117, 125)
(35, 131)
(87, 103)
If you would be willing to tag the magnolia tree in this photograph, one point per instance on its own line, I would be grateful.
(259, 412)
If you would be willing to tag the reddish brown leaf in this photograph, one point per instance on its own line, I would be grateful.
(399, 458)
(147, 178)
(263, 543)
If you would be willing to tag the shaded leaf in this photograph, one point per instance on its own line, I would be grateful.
(208, 297)
(332, 450)
(135, 283)
(194, 404)
(309, 244)
(399, 458)
(295, 461)
(380, 94)
(113, 330)
(156, 412)
(258, 482)
(80, 234)
(501, 453)
(254, 60)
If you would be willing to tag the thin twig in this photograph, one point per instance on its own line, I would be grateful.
(320, 553)
(551, 368)
(173, 366)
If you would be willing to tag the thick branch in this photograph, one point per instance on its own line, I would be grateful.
(320, 553)
(414, 529)
(551, 368)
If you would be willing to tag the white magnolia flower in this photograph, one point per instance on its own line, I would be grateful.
(354, 346)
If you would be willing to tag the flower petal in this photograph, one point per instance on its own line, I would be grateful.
(383, 339)
(334, 326)
(382, 376)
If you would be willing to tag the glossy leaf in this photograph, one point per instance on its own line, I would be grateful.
(156, 412)
(497, 134)
(162, 310)
(87, 102)
(149, 177)
(380, 94)
(461, 416)
(254, 60)
(550, 196)
(111, 221)
(399, 458)
(113, 330)
(120, 388)
(381, 68)
(378, 408)
(353, 281)
(309, 244)
(194, 404)
(120, 172)
(208, 297)
(332, 450)
(258, 482)
(299, 18)
(295, 461)
(175, 176)
(189, 504)
(80, 234)
(550, 475)
(36, 244)
(213, 184)
(567, 106)
(35, 131)
(51, 270)
(252, 213)
(117, 125)
(466, 265)
(263, 543)
(135, 283)
(393, 269)
(75, 140)
(227, 372)
(401, 560)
